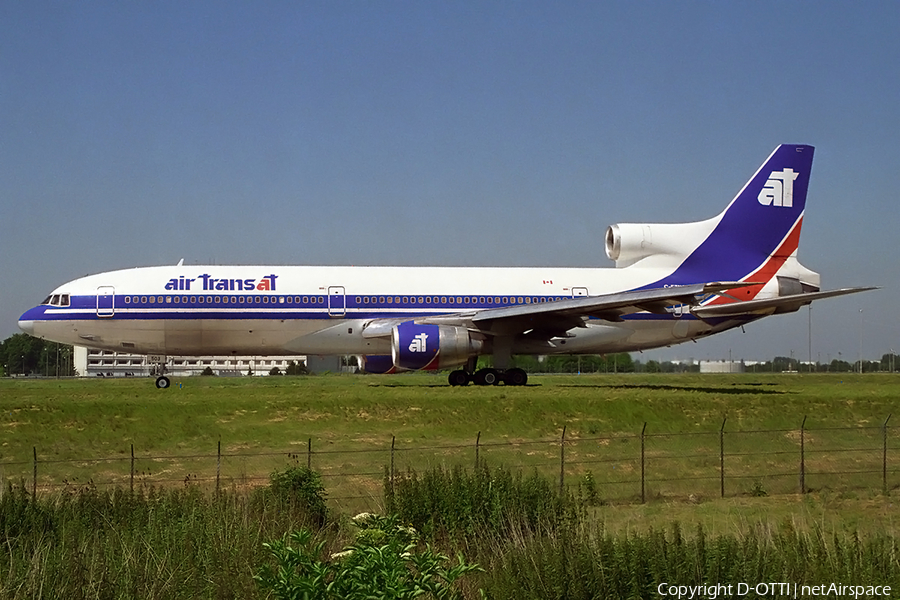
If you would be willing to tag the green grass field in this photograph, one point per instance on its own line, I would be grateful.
(83, 431)
(87, 536)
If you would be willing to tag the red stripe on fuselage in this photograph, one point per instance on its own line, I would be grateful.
(767, 271)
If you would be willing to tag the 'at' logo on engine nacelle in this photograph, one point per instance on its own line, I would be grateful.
(418, 344)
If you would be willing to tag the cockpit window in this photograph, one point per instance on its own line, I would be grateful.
(57, 300)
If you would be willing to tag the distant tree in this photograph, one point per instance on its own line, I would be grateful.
(207, 372)
(275, 371)
(22, 354)
(840, 366)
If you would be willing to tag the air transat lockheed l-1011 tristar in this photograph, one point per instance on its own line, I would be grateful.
(671, 283)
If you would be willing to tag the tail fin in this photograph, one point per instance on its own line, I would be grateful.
(760, 228)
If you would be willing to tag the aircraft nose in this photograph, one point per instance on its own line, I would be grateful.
(27, 326)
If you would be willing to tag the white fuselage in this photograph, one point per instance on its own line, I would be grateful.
(249, 310)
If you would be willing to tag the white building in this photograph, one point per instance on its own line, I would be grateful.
(103, 363)
(721, 366)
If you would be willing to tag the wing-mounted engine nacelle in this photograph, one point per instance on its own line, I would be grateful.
(628, 243)
(429, 347)
(377, 364)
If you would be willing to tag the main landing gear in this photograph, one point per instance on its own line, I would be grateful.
(489, 377)
(162, 382)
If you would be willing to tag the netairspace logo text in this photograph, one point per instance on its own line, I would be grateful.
(770, 590)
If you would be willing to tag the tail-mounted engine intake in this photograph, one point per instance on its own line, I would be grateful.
(627, 243)
(416, 347)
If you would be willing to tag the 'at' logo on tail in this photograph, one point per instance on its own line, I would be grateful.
(779, 189)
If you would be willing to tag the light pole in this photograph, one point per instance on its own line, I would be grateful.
(809, 331)
(860, 340)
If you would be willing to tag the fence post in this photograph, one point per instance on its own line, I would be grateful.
(722, 458)
(643, 431)
(34, 476)
(393, 444)
(477, 448)
(884, 485)
(132, 469)
(309, 454)
(803, 456)
(218, 464)
(562, 461)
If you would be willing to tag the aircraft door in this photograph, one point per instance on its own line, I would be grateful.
(579, 292)
(337, 301)
(106, 301)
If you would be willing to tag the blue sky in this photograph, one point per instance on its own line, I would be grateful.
(468, 133)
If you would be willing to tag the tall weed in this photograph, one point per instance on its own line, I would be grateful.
(479, 502)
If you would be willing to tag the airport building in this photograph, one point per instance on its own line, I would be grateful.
(722, 366)
(103, 363)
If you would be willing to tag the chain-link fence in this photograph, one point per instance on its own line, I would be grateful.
(623, 467)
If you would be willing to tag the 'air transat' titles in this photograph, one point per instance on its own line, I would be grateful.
(210, 283)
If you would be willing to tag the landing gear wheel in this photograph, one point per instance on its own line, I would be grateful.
(515, 377)
(487, 377)
(162, 382)
(459, 377)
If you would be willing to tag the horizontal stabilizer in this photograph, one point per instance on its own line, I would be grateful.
(782, 304)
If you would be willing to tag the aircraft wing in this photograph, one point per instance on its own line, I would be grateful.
(770, 306)
(548, 319)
